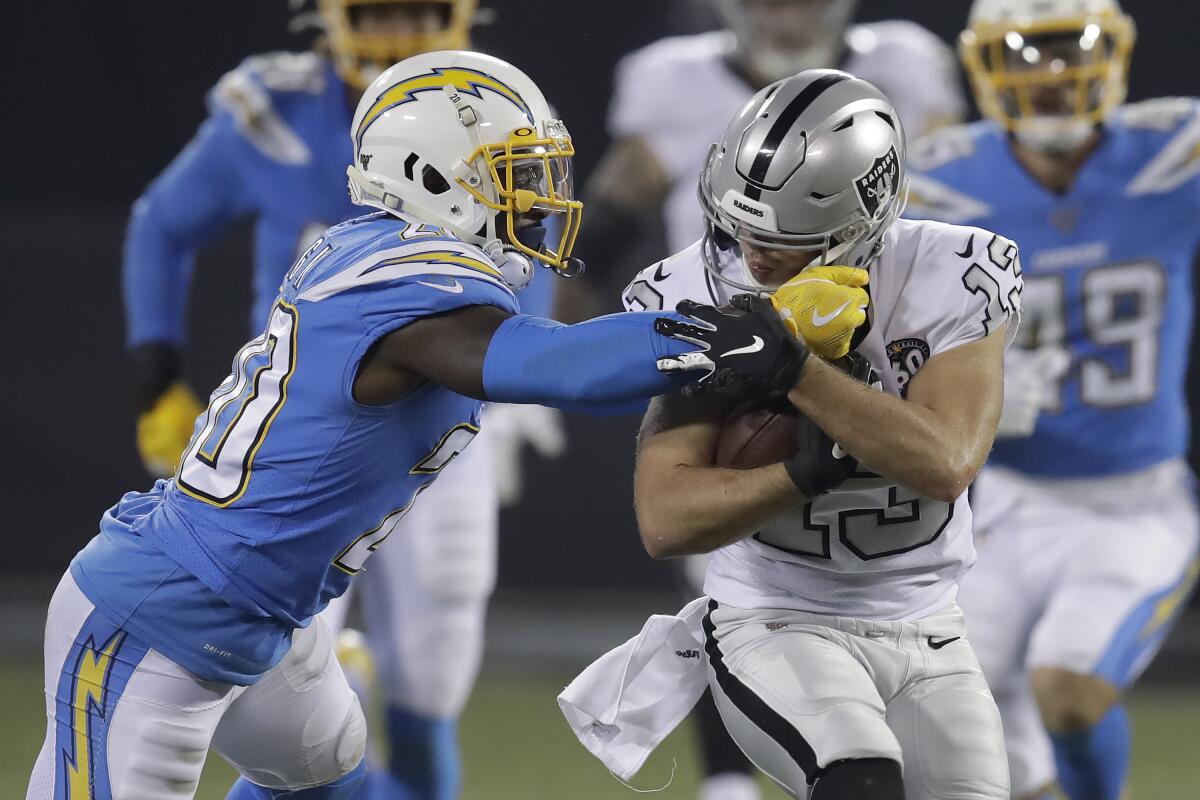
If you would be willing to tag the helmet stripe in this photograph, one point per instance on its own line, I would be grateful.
(779, 130)
(469, 81)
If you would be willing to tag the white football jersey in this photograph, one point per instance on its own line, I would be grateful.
(678, 95)
(871, 548)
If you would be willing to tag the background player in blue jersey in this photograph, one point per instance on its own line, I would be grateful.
(274, 148)
(1088, 523)
(189, 620)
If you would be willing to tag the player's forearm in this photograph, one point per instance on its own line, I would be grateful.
(609, 361)
(155, 275)
(683, 510)
(905, 441)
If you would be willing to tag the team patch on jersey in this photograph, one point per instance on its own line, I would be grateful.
(907, 356)
(878, 183)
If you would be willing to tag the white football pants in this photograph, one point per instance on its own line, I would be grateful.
(1086, 576)
(800, 691)
(126, 723)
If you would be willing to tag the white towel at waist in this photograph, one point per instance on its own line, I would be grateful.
(634, 695)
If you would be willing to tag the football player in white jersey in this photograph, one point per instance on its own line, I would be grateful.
(1087, 527)
(672, 98)
(836, 652)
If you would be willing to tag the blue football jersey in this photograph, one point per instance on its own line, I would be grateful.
(289, 484)
(1107, 268)
(274, 148)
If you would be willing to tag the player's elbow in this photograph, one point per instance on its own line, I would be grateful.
(658, 537)
(949, 479)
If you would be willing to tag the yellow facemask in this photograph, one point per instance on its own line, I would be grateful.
(359, 55)
(530, 172)
(1009, 62)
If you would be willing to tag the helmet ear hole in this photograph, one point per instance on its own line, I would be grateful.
(433, 181)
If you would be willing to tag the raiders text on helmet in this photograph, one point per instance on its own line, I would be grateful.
(813, 162)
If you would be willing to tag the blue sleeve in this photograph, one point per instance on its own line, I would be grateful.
(197, 196)
(593, 366)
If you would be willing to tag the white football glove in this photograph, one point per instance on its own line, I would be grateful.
(514, 426)
(1030, 383)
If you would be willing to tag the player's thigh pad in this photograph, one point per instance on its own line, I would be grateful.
(945, 718)
(793, 696)
(1119, 595)
(124, 722)
(1030, 754)
(425, 592)
(300, 725)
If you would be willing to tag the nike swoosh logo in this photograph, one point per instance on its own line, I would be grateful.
(754, 347)
(454, 287)
(939, 645)
(970, 248)
(659, 275)
(820, 321)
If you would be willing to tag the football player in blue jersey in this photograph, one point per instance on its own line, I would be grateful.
(275, 149)
(1086, 513)
(188, 621)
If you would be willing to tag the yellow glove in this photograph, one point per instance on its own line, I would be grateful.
(163, 431)
(823, 306)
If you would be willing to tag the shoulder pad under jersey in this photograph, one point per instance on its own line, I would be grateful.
(660, 286)
(378, 249)
(1177, 157)
(247, 94)
(969, 277)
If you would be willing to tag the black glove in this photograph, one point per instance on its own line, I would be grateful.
(153, 367)
(819, 465)
(746, 347)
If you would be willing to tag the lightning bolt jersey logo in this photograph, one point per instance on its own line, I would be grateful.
(467, 81)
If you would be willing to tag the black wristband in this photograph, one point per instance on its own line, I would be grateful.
(154, 367)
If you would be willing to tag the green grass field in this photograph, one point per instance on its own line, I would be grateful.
(517, 746)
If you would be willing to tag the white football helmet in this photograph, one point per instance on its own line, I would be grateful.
(1048, 70)
(466, 142)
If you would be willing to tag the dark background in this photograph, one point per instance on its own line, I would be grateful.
(100, 96)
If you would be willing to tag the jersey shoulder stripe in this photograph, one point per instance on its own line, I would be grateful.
(1173, 127)
(247, 95)
(408, 262)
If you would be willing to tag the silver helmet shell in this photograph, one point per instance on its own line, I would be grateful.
(813, 162)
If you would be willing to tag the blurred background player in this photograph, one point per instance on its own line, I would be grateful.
(671, 101)
(275, 149)
(1089, 524)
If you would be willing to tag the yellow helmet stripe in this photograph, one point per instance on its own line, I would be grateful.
(469, 81)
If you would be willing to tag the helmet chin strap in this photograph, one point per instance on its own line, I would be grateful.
(1053, 135)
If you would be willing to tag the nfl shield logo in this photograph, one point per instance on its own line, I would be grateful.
(878, 184)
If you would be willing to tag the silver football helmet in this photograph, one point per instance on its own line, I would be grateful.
(813, 162)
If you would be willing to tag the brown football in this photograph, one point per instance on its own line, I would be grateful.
(757, 435)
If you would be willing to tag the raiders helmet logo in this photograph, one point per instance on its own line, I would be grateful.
(878, 184)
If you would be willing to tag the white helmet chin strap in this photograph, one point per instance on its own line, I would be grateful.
(1053, 135)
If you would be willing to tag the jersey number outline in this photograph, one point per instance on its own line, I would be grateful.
(219, 460)
(454, 441)
(1106, 293)
(924, 518)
